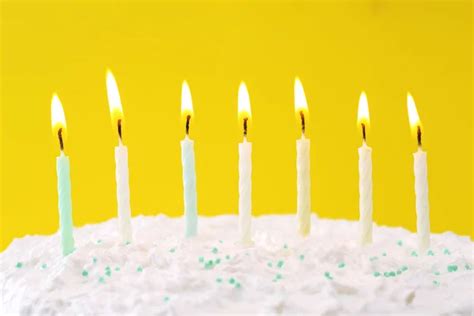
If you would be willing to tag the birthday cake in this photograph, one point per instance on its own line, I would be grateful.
(161, 272)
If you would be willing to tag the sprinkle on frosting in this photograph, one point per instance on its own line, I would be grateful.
(452, 268)
(140, 269)
(328, 275)
(19, 265)
(341, 265)
(85, 273)
(280, 264)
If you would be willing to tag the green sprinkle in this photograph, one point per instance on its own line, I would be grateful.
(341, 265)
(285, 246)
(227, 257)
(127, 243)
(219, 280)
(384, 254)
(237, 285)
(373, 258)
(215, 250)
(101, 280)
(386, 274)
(400, 243)
(209, 265)
(399, 272)
(376, 274)
(430, 253)
(19, 265)
(231, 280)
(85, 273)
(468, 266)
(446, 251)
(269, 264)
(452, 268)
(99, 241)
(139, 269)
(435, 282)
(328, 275)
(280, 264)
(107, 268)
(172, 250)
(404, 268)
(414, 254)
(44, 266)
(392, 273)
(117, 269)
(301, 257)
(218, 260)
(436, 273)
(201, 259)
(108, 273)
(166, 299)
(94, 260)
(279, 276)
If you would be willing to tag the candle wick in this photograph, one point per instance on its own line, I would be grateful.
(119, 129)
(188, 119)
(61, 142)
(418, 135)
(245, 126)
(364, 136)
(303, 124)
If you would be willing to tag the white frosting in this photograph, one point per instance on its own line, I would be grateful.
(173, 281)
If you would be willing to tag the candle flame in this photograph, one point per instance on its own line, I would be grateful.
(413, 117)
(301, 105)
(244, 102)
(363, 111)
(186, 101)
(115, 105)
(58, 120)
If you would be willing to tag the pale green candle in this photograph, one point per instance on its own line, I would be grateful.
(64, 181)
(64, 203)
(189, 173)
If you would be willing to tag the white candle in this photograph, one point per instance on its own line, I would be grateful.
(303, 201)
(421, 181)
(245, 170)
(123, 193)
(189, 173)
(121, 163)
(365, 176)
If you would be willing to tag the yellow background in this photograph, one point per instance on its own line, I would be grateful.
(336, 48)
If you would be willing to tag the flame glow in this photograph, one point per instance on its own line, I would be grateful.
(186, 100)
(363, 111)
(115, 105)
(413, 117)
(244, 102)
(58, 120)
(300, 98)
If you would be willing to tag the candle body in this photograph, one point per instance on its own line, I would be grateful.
(303, 203)
(365, 194)
(422, 203)
(189, 186)
(123, 193)
(245, 191)
(64, 203)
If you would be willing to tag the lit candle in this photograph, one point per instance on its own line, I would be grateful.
(121, 162)
(421, 180)
(64, 181)
(245, 169)
(365, 175)
(187, 159)
(303, 202)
